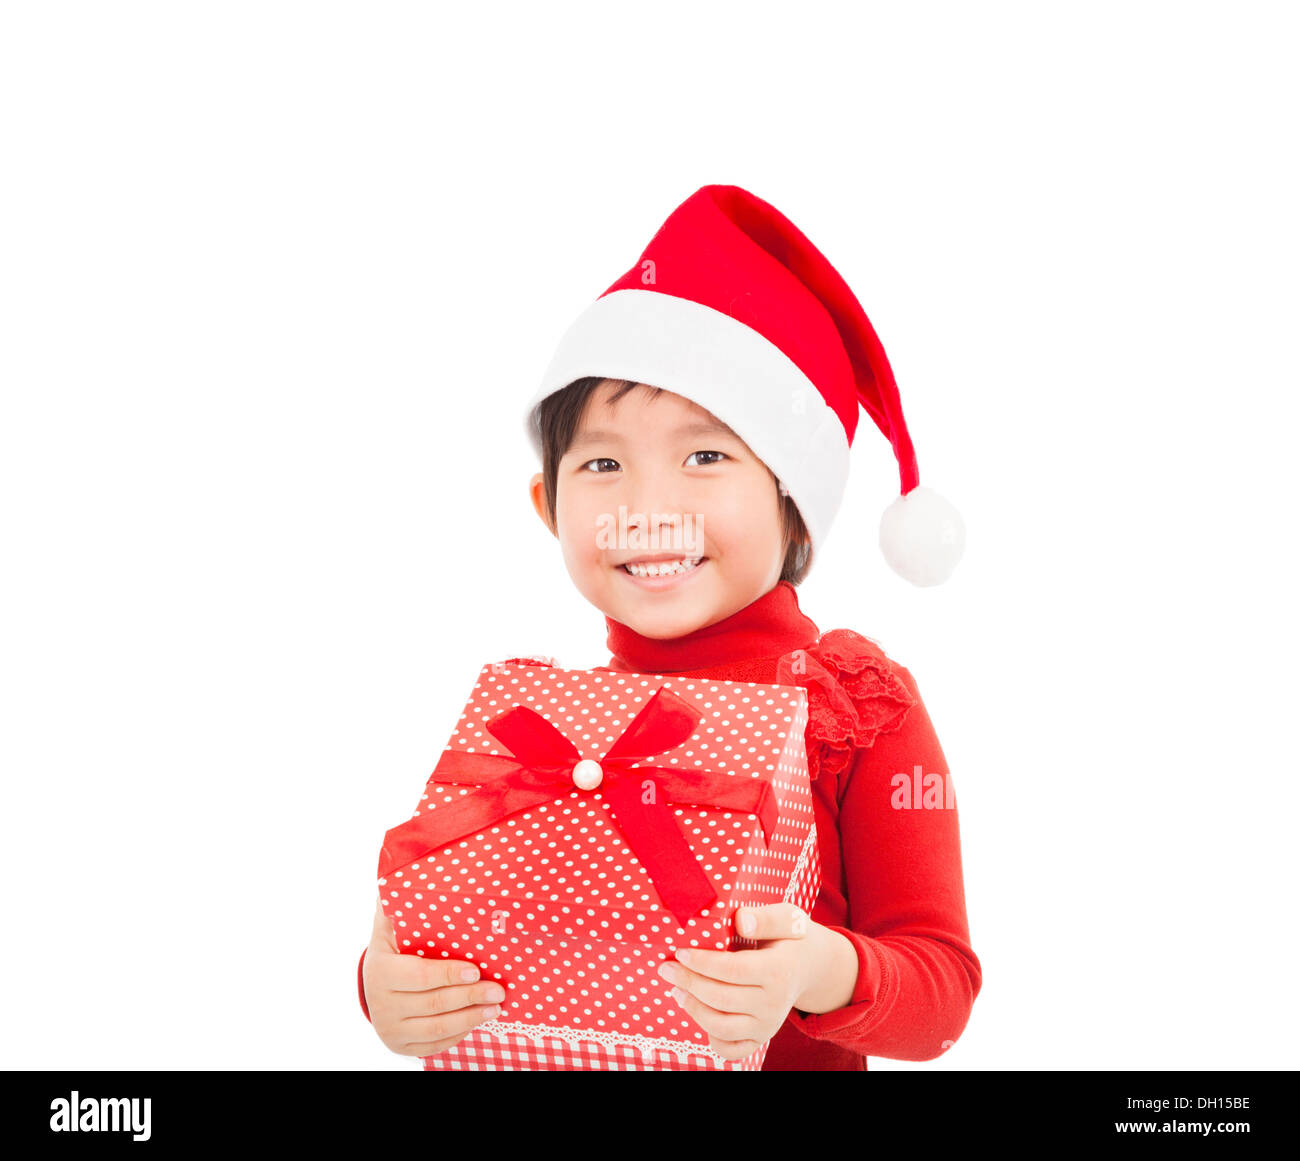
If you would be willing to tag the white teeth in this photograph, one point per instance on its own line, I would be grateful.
(664, 567)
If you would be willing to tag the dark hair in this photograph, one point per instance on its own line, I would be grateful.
(557, 420)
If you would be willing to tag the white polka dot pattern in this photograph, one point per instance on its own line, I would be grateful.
(551, 903)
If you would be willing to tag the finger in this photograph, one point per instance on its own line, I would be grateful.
(429, 1049)
(731, 967)
(734, 1049)
(450, 1024)
(774, 921)
(435, 1001)
(415, 973)
(723, 997)
(723, 1025)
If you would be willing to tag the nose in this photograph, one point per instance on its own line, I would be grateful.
(660, 500)
(657, 494)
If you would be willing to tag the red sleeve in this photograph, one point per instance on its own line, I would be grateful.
(917, 974)
(361, 984)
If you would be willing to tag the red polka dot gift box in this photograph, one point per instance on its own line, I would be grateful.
(582, 825)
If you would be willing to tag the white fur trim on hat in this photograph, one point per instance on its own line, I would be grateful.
(727, 368)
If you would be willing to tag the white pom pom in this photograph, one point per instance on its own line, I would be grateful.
(922, 537)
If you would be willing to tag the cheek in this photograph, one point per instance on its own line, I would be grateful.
(743, 517)
(576, 523)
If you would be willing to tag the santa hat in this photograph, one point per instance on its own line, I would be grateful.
(731, 307)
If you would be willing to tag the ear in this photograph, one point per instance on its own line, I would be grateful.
(537, 493)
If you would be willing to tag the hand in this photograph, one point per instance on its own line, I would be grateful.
(421, 1006)
(741, 998)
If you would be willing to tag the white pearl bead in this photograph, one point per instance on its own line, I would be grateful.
(587, 774)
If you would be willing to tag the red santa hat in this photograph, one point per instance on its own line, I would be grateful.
(731, 307)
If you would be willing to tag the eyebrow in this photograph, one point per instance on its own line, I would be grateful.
(702, 427)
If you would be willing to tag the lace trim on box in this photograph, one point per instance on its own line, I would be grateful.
(648, 1046)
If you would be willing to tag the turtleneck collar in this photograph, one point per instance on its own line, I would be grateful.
(770, 626)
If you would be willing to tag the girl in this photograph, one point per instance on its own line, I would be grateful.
(708, 400)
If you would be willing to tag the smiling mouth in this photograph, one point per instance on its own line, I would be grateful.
(652, 569)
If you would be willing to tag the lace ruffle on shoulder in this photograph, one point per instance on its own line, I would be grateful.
(854, 694)
(538, 659)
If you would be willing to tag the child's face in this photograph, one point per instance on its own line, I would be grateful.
(704, 494)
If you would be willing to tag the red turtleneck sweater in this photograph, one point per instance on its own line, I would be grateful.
(891, 876)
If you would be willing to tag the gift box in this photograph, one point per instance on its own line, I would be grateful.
(579, 827)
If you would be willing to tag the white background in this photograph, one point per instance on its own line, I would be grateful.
(275, 281)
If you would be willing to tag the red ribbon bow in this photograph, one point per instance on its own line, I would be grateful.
(540, 768)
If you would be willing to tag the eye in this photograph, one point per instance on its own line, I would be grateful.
(720, 455)
(600, 461)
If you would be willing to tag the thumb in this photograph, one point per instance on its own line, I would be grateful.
(772, 921)
(382, 935)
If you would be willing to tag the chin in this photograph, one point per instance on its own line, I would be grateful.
(660, 629)
(664, 622)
